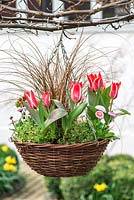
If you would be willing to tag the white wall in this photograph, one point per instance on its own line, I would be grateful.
(120, 59)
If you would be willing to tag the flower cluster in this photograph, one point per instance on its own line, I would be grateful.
(99, 88)
(51, 115)
(10, 180)
(9, 159)
(9, 167)
(10, 164)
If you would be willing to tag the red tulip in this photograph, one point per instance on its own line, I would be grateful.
(46, 99)
(95, 81)
(76, 93)
(114, 90)
(91, 78)
(31, 99)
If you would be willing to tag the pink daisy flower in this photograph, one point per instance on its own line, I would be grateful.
(99, 114)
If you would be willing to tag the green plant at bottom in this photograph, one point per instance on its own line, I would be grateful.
(53, 185)
(111, 179)
(10, 179)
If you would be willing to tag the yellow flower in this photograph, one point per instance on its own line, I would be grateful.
(4, 148)
(100, 187)
(8, 167)
(13, 168)
(10, 160)
(14, 161)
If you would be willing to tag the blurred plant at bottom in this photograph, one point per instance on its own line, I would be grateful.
(10, 180)
(112, 179)
(53, 185)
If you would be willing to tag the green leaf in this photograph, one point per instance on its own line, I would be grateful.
(125, 112)
(109, 135)
(55, 115)
(72, 104)
(75, 113)
(98, 95)
(107, 118)
(91, 112)
(107, 197)
(105, 99)
(33, 113)
(64, 122)
(43, 114)
(58, 104)
(91, 197)
(91, 97)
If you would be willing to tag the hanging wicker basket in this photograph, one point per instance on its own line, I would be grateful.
(57, 160)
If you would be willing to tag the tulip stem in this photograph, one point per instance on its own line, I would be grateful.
(111, 103)
(64, 136)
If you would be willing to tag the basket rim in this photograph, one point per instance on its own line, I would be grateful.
(97, 142)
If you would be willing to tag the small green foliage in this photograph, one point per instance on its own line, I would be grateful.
(102, 130)
(28, 130)
(79, 133)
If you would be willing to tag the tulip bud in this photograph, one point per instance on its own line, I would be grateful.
(114, 90)
(46, 99)
(76, 92)
(31, 99)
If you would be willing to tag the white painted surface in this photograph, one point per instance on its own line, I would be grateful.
(121, 59)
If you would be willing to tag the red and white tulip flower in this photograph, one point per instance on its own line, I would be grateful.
(46, 99)
(114, 90)
(31, 99)
(91, 79)
(95, 81)
(76, 91)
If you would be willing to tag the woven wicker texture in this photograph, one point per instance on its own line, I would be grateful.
(107, 1)
(62, 160)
